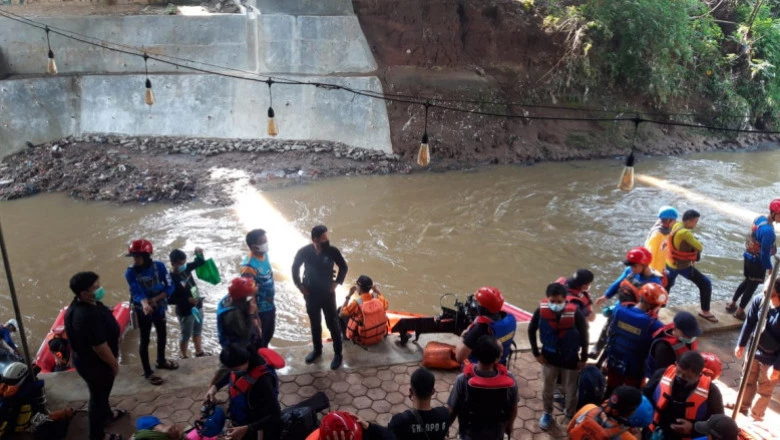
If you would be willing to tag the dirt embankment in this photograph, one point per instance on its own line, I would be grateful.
(497, 50)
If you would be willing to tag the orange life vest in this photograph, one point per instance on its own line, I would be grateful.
(675, 254)
(694, 402)
(369, 325)
(596, 425)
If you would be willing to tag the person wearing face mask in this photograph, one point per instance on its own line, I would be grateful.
(671, 341)
(764, 374)
(189, 303)
(94, 337)
(682, 396)
(319, 289)
(564, 335)
(150, 287)
(257, 266)
(577, 287)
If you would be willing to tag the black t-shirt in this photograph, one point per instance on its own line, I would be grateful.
(318, 268)
(435, 424)
(88, 326)
(477, 330)
(183, 283)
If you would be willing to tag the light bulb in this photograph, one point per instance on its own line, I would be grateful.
(273, 130)
(149, 97)
(52, 67)
(424, 154)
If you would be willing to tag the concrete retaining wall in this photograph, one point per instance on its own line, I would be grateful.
(44, 109)
(305, 7)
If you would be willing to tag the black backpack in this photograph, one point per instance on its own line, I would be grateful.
(300, 420)
(591, 387)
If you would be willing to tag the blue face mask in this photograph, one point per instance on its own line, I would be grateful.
(182, 268)
(557, 308)
(687, 341)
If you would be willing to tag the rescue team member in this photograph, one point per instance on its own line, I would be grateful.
(237, 315)
(667, 216)
(759, 248)
(253, 390)
(363, 317)
(421, 422)
(319, 289)
(491, 321)
(671, 341)
(764, 373)
(608, 421)
(683, 250)
(257, 266)
(341, 425)
(94, 335)
(630, 335)
(577, 287)
(682, 396)
(22, 398)
(59, 346)
(150, 286)
(5, 337)
(484, 397)
(564, 335)
(718, 427)
(186, 297)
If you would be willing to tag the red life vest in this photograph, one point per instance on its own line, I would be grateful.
(487, 398)
(665, 334)
(596, 424)
(694, 402)
(581, 297)
(566, 321)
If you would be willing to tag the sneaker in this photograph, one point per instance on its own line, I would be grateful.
(336, 362)
(545, 421)
(311, 357)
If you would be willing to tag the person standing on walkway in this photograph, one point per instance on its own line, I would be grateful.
(6, 341)
(667, 216)
(764, 373)
(257, 266)
(237, 321)
(759, 248)
(94, 336)
(319, 289)
(421, 422)
(189, 303)
(564, 335)
(150, 287)
(671, 341)
(683, 250)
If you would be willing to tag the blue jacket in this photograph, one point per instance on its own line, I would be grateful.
(503, 330)
(629, 338)
(772, 327)
(6, 335)
(613, 288)
(261, 272)
(149, 283)
(765, 235)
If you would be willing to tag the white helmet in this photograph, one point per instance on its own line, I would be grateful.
(14, 373)
(13, 323)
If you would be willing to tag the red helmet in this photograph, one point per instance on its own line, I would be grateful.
(639, 255)
(141, 246)
(490, 298)
(774, 205)
(242, 287)
(653, 294)
(712, 365)
(338, 422)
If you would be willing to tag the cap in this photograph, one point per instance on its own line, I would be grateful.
(146, 422)
(625, 399)
(719, 426)
(580, 278)
(687, 324)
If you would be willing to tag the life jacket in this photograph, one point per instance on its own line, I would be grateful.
(503, 330)
(223, 307)
(557, 331)
(263, 275)
(665, 334)
(59, 346)
(595, 424)
(628, 289)
(752, 244)
(369, 325)
(152, 286)
(241, 385)
(629, 340)
(581, 298)
(677, 255)
(487, 400)
(696, 404)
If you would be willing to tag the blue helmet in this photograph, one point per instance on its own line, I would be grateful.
(668, 213)
(212, 425)
(643, 415)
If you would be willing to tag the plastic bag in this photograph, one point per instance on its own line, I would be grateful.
(208, 272)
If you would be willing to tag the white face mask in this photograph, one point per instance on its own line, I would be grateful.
(260, 248)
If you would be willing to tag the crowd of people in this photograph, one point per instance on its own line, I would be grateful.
(657, 386)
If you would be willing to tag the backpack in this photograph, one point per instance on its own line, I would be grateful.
(298, 423)
(592, 386)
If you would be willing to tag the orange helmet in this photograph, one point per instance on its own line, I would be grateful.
(653, 294)
(141, 246)
(242, 287)
(341, 422)
(712, 365)
(490, 298)
(774, 205)
(639, 255)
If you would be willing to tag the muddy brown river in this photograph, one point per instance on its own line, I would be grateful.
(417, 236)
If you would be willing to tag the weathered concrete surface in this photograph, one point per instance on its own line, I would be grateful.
(305, 7)
(43, 109)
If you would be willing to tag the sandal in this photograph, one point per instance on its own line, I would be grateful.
(117, 414)
(168, 365)
(740, 315)
(710, 318)
(202, 354)
(731, 308)
(154, 380)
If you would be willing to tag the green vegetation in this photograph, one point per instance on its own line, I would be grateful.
(674, 53)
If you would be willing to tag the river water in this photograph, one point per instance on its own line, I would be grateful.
(417, 236)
